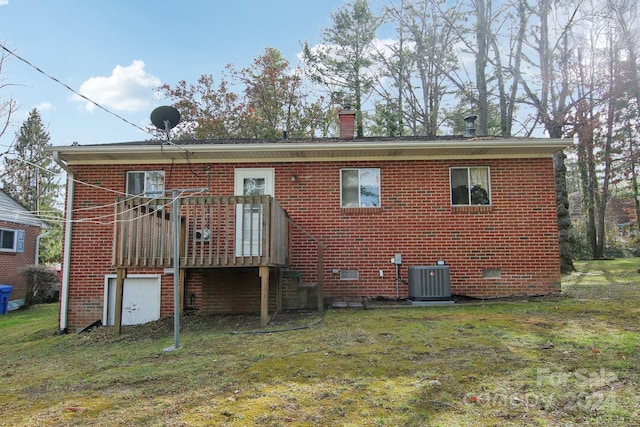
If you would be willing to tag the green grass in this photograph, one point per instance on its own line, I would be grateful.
(470, 364)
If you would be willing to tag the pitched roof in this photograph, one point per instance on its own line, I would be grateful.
(12, 211)
(308, 150)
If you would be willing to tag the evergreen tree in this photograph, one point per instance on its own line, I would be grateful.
(343, 62)
(31, 177)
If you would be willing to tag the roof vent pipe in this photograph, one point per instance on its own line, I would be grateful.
(470, 126)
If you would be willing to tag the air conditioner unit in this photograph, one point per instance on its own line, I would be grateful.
(203, 234)
(429, 283)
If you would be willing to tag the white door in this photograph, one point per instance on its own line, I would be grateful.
(251, 182)
(140, 300)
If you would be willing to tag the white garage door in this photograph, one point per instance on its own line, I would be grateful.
(140, 299)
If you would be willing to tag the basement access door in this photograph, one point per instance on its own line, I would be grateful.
(140, 299)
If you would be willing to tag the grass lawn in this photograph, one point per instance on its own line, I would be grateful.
(564, 360)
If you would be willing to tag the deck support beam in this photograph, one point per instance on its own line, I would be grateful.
(121, 274)
(278, 289)
(264, 295)
(320, 281)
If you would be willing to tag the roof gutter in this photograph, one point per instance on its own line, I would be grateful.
(311, 151)
(66, 257)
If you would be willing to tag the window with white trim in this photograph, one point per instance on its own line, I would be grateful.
(145, 183)
(470, 186)
(360, 188)
(11, 240)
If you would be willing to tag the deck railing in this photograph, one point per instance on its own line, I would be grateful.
(215, 231)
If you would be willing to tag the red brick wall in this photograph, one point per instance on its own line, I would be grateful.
(11, 263)
(233, 290)
(517, 234)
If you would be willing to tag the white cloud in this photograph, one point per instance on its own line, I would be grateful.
(4, 2)
(128, 88)
(43, 106)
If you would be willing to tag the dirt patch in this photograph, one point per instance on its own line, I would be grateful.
(193, 321)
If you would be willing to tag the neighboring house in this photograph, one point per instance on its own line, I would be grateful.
(19, 241)
(328, 213)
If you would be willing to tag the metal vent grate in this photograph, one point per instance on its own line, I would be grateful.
(429, 283)
(348, 274)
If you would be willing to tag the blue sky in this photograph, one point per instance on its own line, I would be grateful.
(117, 51)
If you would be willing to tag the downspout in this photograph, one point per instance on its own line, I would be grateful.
(40, 236)
(66, 256)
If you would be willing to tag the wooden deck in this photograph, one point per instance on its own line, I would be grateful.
(215, 232)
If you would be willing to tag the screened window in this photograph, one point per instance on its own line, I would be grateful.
(146, 183)
(360, 188)
(470, 186)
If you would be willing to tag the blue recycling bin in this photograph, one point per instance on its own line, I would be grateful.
(5, 291)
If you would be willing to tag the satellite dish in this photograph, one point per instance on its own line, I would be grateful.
(165, 117)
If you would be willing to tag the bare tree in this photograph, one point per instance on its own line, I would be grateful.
(8, 105)
(627, 22)
(483, 37)
(550, 100)
(423, 62)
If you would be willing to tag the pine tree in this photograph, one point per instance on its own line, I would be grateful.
(344, 61)
(31, 177)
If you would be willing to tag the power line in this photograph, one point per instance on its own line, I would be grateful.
(169, 142)
(102, 219)
(38, 69)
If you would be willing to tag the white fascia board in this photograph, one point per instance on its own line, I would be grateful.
(311, 151)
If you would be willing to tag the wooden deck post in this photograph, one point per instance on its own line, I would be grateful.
(278, 290)
(264, 295)
(320, 282)
(121, 273)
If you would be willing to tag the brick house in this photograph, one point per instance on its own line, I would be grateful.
(20, 232)
(262, 223)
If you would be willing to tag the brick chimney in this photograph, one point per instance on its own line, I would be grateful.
(347, 119)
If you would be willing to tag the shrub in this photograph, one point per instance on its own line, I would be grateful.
(43, 284)
(580, 247)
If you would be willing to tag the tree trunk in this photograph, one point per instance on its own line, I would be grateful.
(482, 37)
(611, 104)
(554, 125)
(585, 158)
(634, 180)
(562, 207)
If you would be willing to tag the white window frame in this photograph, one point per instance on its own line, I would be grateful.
(145, 191)
(469, 186)
(360, 205)
(18, 240)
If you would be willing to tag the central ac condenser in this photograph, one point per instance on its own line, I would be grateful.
(429, 283)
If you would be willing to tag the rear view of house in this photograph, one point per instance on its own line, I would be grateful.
(260, 224)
